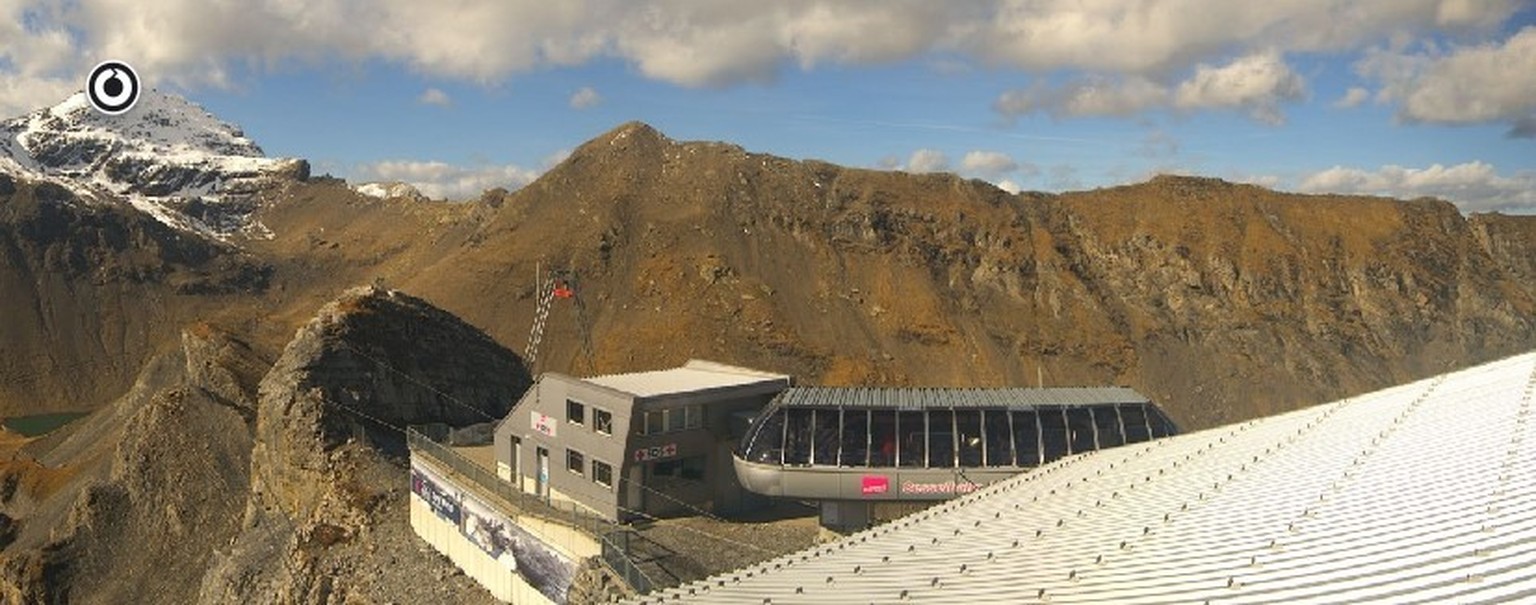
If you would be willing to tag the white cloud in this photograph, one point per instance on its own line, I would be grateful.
(439, 180)
(1257, 83)
(1353, 97)
(433, 96)
(1090, 95)
(1009, 186)
(988, 164)
(927, 160)
(1473, 186)
(1123, 55)
(1464, 85)
(584, 98)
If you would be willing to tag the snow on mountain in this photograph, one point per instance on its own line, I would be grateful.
(388, 191)
(167, 157)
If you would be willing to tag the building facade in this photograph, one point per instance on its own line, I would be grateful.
(636, 445)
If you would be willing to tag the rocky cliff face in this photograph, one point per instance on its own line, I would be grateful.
(201, 486)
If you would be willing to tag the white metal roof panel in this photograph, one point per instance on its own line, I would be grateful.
(1424, 492)
(696, 375)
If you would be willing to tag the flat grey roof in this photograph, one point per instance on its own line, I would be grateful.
(1421, 492)
(696, 375)
(923, 398)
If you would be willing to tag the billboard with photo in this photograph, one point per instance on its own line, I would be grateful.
(436, 492)
(539, 564)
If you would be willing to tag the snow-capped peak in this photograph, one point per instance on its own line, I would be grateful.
(167, 157)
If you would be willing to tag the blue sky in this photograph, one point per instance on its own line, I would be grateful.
(1396, 97)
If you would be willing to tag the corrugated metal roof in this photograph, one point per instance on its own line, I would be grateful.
(855, 397)
(1424, 492)
(696, 375)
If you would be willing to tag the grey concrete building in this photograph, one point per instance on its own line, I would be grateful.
(646, 443)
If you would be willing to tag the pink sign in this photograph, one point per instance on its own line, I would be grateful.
(875, 484)
(543, 423)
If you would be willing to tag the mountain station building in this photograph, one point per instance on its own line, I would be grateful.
(636, 445)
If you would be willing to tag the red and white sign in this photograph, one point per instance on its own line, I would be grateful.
(656, 452)
(874, 484)
(544, 423)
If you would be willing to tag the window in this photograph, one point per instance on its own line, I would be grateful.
(602, 421)
(669, 420)
(968, 432)
(999, 439)
(797, 437)
(1053, 434)
(855, 438)
(941, 439)
(913, 431)
(882, 438)
(767, 439)
(827, 423)
(602, 474)
(1026, 437)
(1080, 429)
(1135, 419)
(1108, 424)
(1160, 424)
(575, 412)
(691, 468)
(575, 462)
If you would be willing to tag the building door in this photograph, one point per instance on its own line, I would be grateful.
(634, 497)
(542, 487)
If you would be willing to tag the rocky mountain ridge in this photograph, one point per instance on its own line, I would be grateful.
(167, 157)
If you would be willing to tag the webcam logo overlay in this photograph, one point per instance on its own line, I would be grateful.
(113, 87)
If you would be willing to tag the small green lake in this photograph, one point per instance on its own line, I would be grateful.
(38, 424)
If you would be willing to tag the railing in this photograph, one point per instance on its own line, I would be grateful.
(567, 513)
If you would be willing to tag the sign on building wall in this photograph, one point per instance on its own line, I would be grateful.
(874, 484)
(539, 564)
(544, 423)
(655, 452)
(433, 490)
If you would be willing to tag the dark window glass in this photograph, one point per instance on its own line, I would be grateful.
(676, 419)
(797, 437)
(602, 474)
(994, 424)
(941, 439)
(914, 432)
(575, 462)
(1107, 423)
(766, 441)
(828, 424)
(882, 438)
(602, 421)
(1053, 434)
(575, 412)
(655, 422)
(1080, 430)
(1134, 417)
(691, 468)
(1026, 438)
(968, 431)
(693, 416)
(855, 438)
(1161, 426)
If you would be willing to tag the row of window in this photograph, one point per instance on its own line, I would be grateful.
(656, 422)
(576, 413)
(674, 419)
(602, 472)
(948, 437)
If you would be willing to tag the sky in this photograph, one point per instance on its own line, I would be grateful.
(1406, 98)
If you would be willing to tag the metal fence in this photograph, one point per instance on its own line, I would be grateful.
(613, 537)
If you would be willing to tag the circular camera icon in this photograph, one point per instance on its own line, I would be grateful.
(113, 87)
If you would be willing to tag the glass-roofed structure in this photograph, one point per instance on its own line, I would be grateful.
(847, 447)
